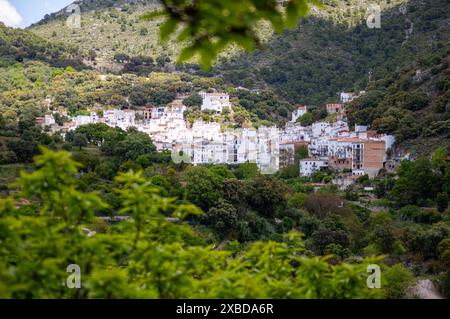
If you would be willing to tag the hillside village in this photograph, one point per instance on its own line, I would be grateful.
(330, 144)
(284, 172)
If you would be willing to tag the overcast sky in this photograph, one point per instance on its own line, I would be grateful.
(22, 13)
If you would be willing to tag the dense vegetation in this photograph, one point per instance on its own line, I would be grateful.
(325, 55)
(146, 256)
(413, 104)
(152, 256)
(330, 51)
(18, 45)
(110, 29)
(220, 231)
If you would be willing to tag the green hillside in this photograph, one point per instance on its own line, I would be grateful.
(18, 45)
(330, 51)
(109, 28)
(412, 103)
(140, 225)
(321, 57)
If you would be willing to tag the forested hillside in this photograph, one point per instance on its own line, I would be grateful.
(330, 51)
(325, 55)
(18, 45)
(109, 31)
(413, 104)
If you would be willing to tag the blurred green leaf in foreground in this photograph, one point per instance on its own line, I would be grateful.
(208, 26)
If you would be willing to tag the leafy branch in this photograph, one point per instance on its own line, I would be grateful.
(208, 26)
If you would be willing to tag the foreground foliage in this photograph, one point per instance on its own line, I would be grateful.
(145, 256)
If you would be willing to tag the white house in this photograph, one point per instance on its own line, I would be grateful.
(346, 97)
(49, 120)
(389, 141)
(294, 132)
(360, 128)
(215, 101)
(320, 128)
(120, 118)
(85, 119)
(299, 112)
(310, 165)
(268, 149)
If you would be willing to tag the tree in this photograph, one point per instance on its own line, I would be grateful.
(383, 237)
(193, 100)
(221, 171)
(88, 160)
(128, 146)
(79, 140)
(146, 256)
(235, 192)
(425, 241)
(417, 182)
(203, 187)
(223, 217)
(297, 200)
(246, 171)
(323, 238)
(267, 195)
(306, 119)
(444, 257)
(23, 149)
(442, 202)
(444, 252)
(161, 96)
(399, 279)
(95, 133)
(323, 204)
(301, 153)
(59, 119)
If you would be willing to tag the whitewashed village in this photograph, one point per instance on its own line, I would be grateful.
(330, 144)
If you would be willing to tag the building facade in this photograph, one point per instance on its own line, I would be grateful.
(215, 101)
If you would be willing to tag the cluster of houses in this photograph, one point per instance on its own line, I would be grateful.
(329, 144)
(333, 145)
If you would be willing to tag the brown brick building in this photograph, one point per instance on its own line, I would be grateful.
(340, 163)
(374, 156)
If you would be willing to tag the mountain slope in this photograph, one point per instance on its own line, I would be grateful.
(18, 45)
(320, 58)
(413, 104)
(109, 28)
(330, 51)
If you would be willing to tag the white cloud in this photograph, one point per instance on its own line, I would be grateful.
(9, 14)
